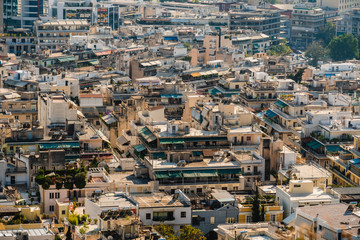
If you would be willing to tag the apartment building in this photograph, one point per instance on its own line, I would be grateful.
(349, 22)
(56, 33)
(158, 208)
(338, 5)
(306, 22)
(302, 193)
(96, 179)
(333, 221)
(266, 21)
(24, 109)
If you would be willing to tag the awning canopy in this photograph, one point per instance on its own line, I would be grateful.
(103, 53)
(199, 173)
(168, 174)
(171, 96)
(139, 148)
(59, 145)
(66, 59)
(94, 62)
(171, 141)
(280, 104)
(147, 134)
(196, 74)
(270, 114)
(205, 138)
(314, 145)
(229, 171)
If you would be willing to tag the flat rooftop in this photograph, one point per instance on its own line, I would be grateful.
(308, 171)
(157, 201)
(115, 200)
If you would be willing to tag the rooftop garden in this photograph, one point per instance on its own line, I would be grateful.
(67, 178)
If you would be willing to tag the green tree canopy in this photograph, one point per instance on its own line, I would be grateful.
(344, 47)
(187, 232)
(297, 77)
(316, 52)
(256, 208)
(80, 180)
(326, 33)
(190, 233)
(280, 49)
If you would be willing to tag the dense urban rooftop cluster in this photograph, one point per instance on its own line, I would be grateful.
(179, 120)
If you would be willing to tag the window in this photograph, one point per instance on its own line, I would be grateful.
(212, 220)
(23, 106)
(148, 216)
(63, 212)
(230, 220)
(51, 208)
(248, 138)
(248, 219)
(27, 117)
(16, 117)
(57, 195)
(273, 218)
(320, 228)
(51, 195)
(183, 214)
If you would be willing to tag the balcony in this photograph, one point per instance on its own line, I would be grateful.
(16, 170)
(163, 219)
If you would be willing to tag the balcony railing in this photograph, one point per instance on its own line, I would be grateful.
(163, 219)
(16, 170)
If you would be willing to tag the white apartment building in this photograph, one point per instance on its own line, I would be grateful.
(155, 209)
(301, 193)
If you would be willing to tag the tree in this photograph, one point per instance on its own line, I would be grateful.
(256, 207)
(316, 52)
(80, 180)
(94, 163)
(166, 231)
(68, 234)
(191, 233)
(326, 33)
(262, 215)
(344, 47)
(298, 76)
(280, 49)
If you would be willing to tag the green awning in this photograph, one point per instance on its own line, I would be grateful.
(199, 173)
(161, 175)
(158, 155)
(280, 104)
(256, 46)
(59, 145)
(139, 148)
(174, 174)
(66, 59)
(171, 141)
(314, 145)
(147, 134)
(229, 171)
(205, 139)
(270, 114)
(197, 153)
(94, 62)
(168, 174)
